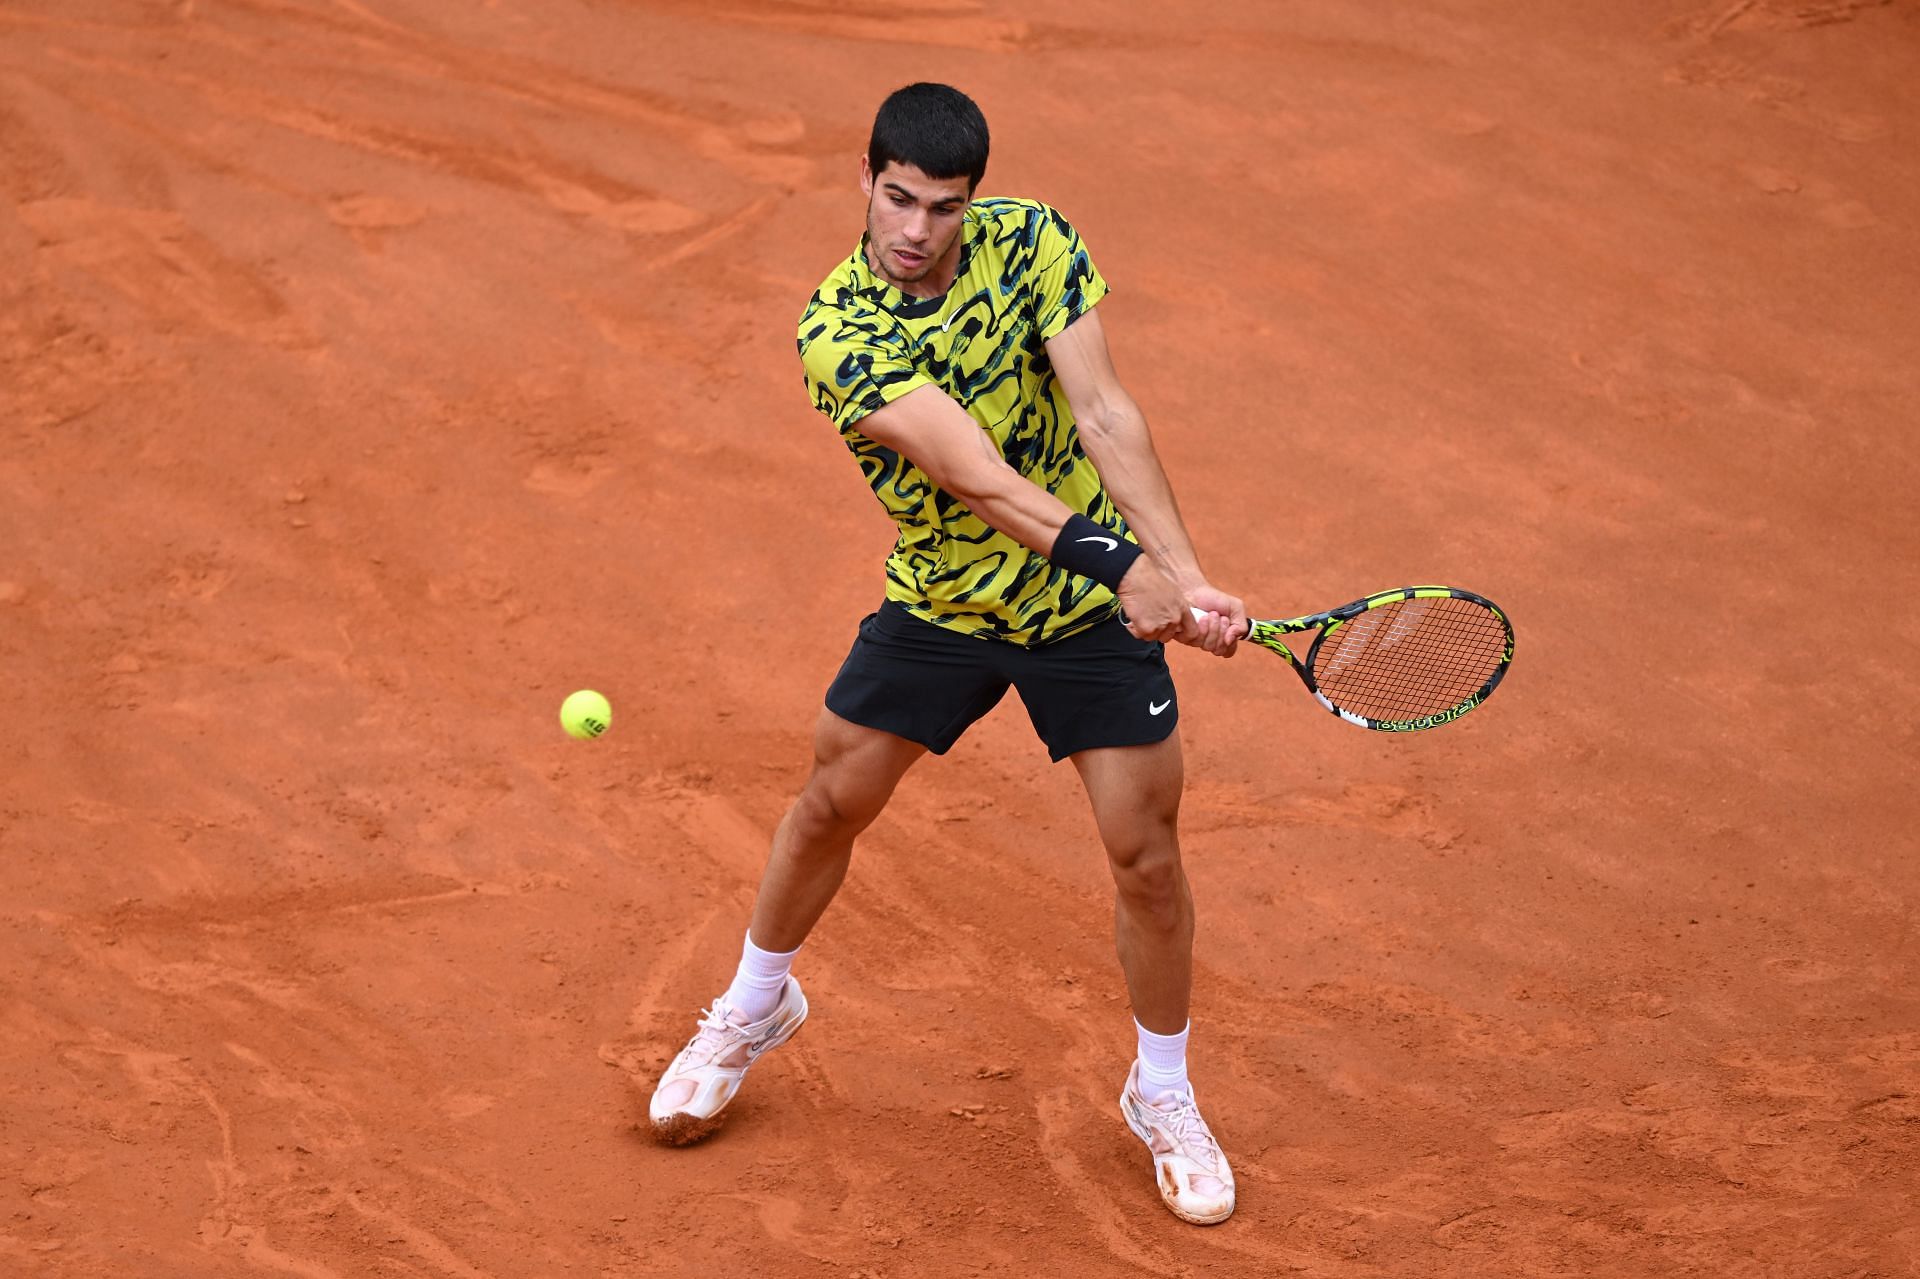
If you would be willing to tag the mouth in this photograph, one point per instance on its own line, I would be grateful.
(909, 259)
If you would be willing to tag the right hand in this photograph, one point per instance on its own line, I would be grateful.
(1223, 623)
(1155, 608)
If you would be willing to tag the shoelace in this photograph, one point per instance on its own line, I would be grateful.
(711, 1036)
(1188, 1128)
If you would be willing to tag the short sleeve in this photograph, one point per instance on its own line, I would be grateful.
(855, 363)
(1066, 283)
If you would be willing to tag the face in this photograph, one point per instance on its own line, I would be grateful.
(913, 226)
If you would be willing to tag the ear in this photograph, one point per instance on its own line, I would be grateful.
(866, 177)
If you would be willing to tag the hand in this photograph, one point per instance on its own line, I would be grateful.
(1225, 624)
(1155, 608)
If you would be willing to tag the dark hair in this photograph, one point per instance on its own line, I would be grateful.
(934, 127)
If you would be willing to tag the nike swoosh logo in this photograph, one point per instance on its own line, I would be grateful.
(1111, 544)
(1155, 710)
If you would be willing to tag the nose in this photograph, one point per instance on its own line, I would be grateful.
(918, 225)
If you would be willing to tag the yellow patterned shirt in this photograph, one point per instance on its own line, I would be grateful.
(1023, 277)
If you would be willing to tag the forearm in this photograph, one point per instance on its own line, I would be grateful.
(935, 434)
(1122, 449)
(1156, 605)
(1012, 504)
(927, 428)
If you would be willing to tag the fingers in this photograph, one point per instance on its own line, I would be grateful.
(1226, 638)
(1222, 620)
(1194, 630)
(1234, 627)
(1159, 632)
(1208, 626)
(1176, 631)
(1218, 633)
(1154, 607)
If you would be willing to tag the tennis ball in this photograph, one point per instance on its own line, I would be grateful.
(585, 714)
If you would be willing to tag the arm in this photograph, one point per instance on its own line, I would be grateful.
(1114, 433)
(928, 428)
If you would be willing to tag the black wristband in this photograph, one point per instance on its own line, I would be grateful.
(1085, 548)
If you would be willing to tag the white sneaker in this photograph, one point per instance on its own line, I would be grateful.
(1188, 1163)
(691, 1099)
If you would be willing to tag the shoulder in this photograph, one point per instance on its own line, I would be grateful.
(1003, 217)
(1023, 239)
(840, 291)
(841, 310)
(1001, 210)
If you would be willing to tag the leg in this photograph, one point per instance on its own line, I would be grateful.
(1106, 701)
(1135, 792)
(907, 687)
(854, 772)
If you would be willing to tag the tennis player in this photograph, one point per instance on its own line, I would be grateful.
(959, 353)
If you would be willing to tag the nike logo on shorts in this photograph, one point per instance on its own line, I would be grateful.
(1155, 710)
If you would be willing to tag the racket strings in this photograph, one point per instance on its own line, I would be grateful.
(1410, 658)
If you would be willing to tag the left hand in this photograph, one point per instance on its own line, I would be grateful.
(1225, 624)
(1154, 608)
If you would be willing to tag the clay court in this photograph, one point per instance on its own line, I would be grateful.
(373, 373)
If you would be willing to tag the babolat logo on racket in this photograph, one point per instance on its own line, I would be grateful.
(1428, 721)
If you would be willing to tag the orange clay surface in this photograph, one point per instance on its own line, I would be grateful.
(375, 372)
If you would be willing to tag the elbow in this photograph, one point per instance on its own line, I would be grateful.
(1096, 430)
(1110, 423)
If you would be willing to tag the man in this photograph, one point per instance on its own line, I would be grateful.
(959, 354)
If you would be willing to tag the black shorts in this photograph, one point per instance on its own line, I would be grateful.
(925, 683)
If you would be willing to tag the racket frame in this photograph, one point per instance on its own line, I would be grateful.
(1267, 635)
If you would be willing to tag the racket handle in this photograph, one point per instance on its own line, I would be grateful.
(1200, 615)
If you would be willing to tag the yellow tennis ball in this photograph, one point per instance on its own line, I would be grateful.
(585, 714)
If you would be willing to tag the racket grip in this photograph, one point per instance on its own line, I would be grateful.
(1200, 614)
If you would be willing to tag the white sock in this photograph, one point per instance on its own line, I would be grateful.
(1163, 1061)
(756, 988)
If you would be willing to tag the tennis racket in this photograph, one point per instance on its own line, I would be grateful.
(1400, 660)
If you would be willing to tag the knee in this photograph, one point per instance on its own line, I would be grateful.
(827, 814)
(1152, 882)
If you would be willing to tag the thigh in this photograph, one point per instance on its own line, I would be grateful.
(914, 680)
(1099, 689)
(855, 768)
(1135, 794)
